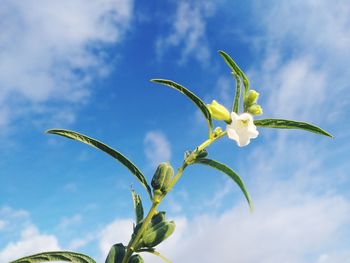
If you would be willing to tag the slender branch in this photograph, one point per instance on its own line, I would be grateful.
(157, 199)
(134, 241)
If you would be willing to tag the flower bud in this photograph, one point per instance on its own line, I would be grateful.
(116, 253)
(157, 218)
(136, 259)
(202, 154)
(251, 98)
(255, 109)
(157, 234)
(162, 177)
(218, 111)
(217, 131)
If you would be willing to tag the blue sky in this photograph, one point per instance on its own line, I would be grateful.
(86, 66)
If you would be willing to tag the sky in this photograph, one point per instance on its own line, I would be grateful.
(86, 66)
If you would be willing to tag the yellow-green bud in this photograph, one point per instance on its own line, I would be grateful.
(162, 177)
(217, 131)
(251, 98)
(255, 109)
(218, 111)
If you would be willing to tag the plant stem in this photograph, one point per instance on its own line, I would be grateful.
(133, 242)
(157, 199)
(187, 161)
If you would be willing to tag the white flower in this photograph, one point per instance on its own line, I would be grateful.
(241, 129)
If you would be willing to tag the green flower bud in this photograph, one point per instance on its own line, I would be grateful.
(255, 109)
(251, 98)
(136, 259)
(162, 177)
(157, 234)
(116, 253)
(157, 218)
(218, 111)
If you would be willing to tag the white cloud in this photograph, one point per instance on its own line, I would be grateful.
(51, 50)
(311, 25)
(81, 242)
(278, 231)
(118, 231)
(188, 32)
(157, 147)
(30, 242)
(294, 227)
(6, 211)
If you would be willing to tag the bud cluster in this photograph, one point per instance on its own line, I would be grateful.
(250, 103)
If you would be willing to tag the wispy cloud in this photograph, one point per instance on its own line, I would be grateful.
(50, 51)
(306, 58)
(69, 221)
(29, 240)
(157, 147)
(188, 31)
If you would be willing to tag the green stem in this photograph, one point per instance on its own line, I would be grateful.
(189, 158)
(134, 242)
(157, 199)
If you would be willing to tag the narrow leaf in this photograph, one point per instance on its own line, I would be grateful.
(235, 106)
(196, 100)
(154, 252)
(105, 148)
(137, 206)
(228, 171)
(66, 256)
(232, 64)
(288, 124)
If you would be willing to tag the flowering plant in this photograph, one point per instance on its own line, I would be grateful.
(153, 228)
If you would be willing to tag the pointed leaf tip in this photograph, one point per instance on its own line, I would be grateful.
(108, 150)
(289, 124)
(190, 95)
(232, 174)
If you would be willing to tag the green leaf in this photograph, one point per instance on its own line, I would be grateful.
(105, 148)
(154, 252)
(196, 100)
(288, 124)
(137, 206)
(116, 254)
(66, 256)
(233, 175)
(232, 64)
(235, 106)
